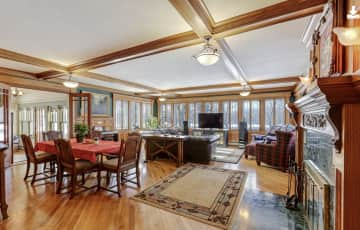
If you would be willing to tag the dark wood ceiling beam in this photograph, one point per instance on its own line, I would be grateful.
(270, 12)
(18, 57)
(96, 76)
(114, 57)
(17, 73)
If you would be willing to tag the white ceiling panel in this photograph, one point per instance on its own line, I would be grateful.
(272, 52)
(110, 85)
(20, 66)
(173, 69)
(220, 11)
(37, 96)
(69, 31)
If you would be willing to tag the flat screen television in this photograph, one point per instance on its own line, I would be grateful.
(211, 120)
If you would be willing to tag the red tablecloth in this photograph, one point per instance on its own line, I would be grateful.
(82, 150)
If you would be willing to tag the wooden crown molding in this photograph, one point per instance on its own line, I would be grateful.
(233, 85)
(101, 77)
(13, 56)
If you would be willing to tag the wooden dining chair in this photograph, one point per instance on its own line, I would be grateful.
(68, 164)
(127, 160)
(37, 158)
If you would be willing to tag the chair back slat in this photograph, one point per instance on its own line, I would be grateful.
(28, 146)
(65, 156)
(131, 151)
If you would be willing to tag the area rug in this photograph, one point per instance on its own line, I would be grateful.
(227, 155)
(204, 193)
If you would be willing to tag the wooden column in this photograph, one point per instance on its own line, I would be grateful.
(3, 204)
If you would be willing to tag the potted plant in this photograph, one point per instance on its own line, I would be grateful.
(152, 123)
(81, 130)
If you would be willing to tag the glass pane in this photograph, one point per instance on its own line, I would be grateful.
(168, 116)
(191, 116)
(132, 115)
(197, 111)
(176, 115)
(269, 113)
(255, 115)
(225, 109)
(234, 115)
(246, 113)
(215, 107)
(280, 111)
(118, 114)
(137, 114)
(207, 107)
(146, 114)
(125, 115)
(182, 111)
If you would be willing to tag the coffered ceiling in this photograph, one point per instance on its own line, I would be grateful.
(144, 47)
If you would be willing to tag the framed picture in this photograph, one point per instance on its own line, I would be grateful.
(101, 102)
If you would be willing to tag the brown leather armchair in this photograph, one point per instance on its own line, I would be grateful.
(277, 154)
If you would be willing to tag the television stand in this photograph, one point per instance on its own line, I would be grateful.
(221, 133)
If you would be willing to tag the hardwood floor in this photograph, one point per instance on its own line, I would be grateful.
(38, 207)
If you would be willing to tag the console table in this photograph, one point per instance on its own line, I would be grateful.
(221, 133)
(172, 145)
(3, 204)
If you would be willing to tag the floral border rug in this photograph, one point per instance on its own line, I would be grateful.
(204, 193)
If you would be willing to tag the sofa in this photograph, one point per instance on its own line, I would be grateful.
(198, 149)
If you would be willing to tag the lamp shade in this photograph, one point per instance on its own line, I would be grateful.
(207, 58)
(245, 91)
(162, 99)
(348, 36)
(70, 84)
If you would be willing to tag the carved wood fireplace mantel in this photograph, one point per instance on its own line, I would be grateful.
(329, 120)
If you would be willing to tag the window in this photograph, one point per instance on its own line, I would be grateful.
(197, 111)
(225, 109)
(274, 112)
(251, 114)
(255, 115)
(165, 115)
(246, 113)
(269, 113)
(234, 115)
(211, 107)
(179, 115)
(121, 114)
(191, 115)
(208, 107)
(280, 111)
(146, 114)
(135, 115)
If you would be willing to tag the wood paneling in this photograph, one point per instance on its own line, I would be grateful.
(351, 139)
(16, 73)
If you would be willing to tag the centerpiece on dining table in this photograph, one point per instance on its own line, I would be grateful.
(81, 131)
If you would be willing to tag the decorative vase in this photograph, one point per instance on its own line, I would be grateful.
(79, 139)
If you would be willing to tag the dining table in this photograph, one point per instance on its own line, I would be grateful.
(87, 150)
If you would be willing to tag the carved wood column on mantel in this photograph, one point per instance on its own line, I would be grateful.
(333, 108)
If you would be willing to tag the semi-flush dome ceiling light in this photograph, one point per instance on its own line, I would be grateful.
(348, 36)
(209, 54)
(70, 84)
(245, 90)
